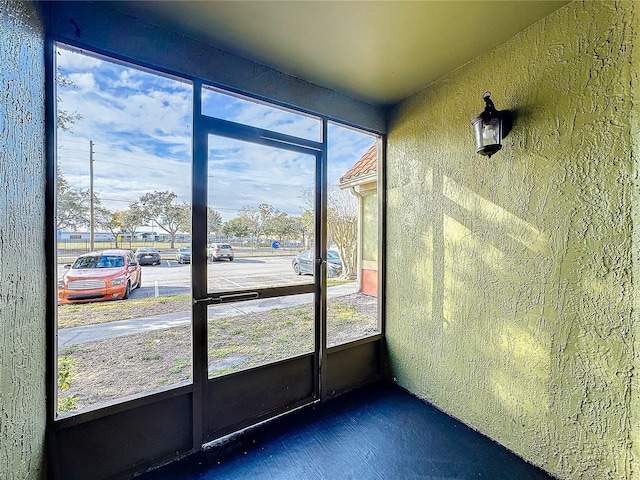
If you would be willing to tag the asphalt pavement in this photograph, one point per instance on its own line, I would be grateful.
(103, 331)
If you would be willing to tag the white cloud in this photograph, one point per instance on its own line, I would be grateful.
(76, 61)
(83, 81)
(141, 127)
(127, 80)
(246, 174)
(256, 114)
(346, 146)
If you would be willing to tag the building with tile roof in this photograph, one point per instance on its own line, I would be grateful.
(362, 179)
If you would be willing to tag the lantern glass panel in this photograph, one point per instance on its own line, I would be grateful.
(488, 133)
(491, 132)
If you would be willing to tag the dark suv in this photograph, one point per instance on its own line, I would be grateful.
(217, 251)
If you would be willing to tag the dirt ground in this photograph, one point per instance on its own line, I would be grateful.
(116, 368)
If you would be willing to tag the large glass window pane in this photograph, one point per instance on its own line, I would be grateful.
(244, 110)
(261, 231)
(352, 228)
(123, 212)
(260, 216)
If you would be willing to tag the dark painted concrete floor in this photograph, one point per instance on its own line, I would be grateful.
(378, 432)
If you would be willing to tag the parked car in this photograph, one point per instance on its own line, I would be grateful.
(148, 256)
(217, 251)
(303, 263)
(183, 255)
(99, 276)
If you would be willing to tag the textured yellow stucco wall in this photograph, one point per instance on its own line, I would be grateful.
(22, 278)
(369, 224)
(509, 280)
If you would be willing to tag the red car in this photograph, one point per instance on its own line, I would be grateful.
(99, 276)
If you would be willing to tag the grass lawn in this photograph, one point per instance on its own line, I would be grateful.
(101, 312)
(96, 372)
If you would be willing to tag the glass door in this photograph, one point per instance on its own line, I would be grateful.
(256, 261)
(259, 253)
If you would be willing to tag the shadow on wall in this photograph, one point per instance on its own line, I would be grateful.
(484, 324)
(487, 248)
(497, 333)
(495, 271)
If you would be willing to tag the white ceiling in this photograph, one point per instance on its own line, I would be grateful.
(376, 51)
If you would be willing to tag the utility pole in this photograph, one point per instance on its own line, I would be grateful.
(91, 212)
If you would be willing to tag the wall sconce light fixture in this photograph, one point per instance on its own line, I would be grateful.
(490, 127)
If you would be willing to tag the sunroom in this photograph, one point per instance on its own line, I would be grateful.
(504, 284)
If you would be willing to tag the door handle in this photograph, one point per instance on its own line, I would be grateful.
(238, 297)
(232, 297)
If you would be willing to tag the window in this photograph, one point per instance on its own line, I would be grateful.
(352, 229)
(201, 309)
(236, 108)
(125, 253)
(124, 171)
(260, 197)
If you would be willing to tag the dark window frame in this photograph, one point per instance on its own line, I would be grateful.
(58, 425)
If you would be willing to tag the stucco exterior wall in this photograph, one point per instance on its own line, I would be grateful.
(369, 266)
(509, 280)
(22, 279)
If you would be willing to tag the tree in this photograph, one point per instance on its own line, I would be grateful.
(64, 118)
(236, 227)
(256, 219)
(342, 227)
(159, 207)
(132, 219)
(183, 215)
(250, 218)
(62, 184)
(283, 226)
(308, 217)
(73, 206)
(111, 221)
(214, 221)
(307, 227)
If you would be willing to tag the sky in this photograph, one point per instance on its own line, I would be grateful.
(141, 125)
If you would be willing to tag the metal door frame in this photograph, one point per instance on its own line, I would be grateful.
(203, 127)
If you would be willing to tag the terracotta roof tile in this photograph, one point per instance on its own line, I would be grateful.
(368, 163)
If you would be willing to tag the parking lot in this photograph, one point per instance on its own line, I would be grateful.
(172, 278)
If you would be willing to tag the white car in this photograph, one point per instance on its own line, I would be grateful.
(218, 251)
